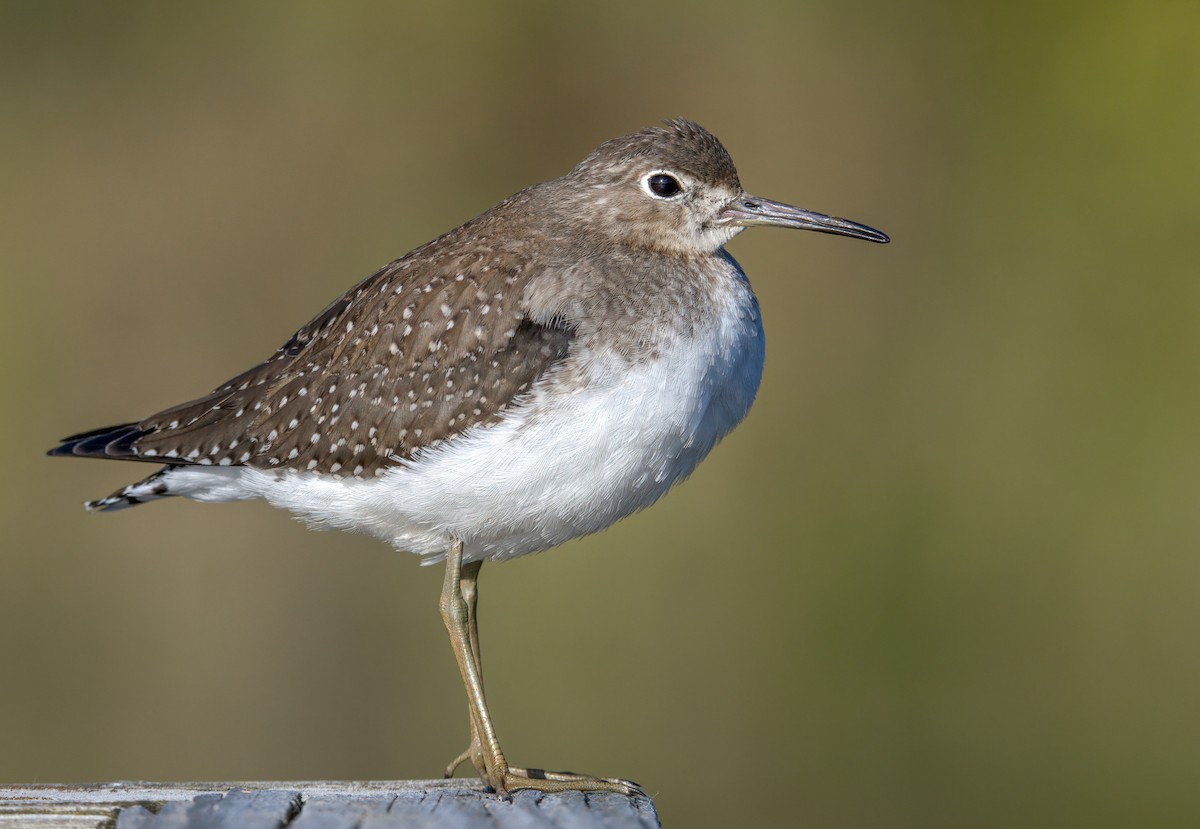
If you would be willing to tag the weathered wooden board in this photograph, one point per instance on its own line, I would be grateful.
(406, 804)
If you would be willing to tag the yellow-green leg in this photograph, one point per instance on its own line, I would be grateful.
(468, 583)
(458, 605)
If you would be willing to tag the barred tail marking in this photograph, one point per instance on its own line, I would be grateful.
(153, 488)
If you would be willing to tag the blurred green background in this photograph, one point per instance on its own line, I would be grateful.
(946, 574)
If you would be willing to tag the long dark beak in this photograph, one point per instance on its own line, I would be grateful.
(749, 211)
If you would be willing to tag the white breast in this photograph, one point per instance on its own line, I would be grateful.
(570, 460)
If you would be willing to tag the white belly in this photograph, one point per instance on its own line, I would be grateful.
(557, 467)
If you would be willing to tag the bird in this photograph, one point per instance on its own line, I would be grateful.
(551, 366)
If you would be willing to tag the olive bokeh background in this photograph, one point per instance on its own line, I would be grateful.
(947, 572)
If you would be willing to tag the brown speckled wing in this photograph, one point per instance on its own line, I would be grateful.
(424, 349)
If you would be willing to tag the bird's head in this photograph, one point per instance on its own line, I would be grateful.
(674, 189)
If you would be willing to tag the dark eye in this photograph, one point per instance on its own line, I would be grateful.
(662, 184)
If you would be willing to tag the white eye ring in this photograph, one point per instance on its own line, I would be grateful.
(663, 184)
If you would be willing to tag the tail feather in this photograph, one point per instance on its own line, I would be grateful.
(119, 442)
(153, 488)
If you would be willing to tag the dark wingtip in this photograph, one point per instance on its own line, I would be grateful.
(109, 442)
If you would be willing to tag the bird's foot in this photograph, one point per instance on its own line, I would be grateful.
(474, 753)
(566, 781)
(504, 779)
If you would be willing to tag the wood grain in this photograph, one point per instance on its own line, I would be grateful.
(405, 804)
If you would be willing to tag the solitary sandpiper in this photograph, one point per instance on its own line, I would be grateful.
(552, 366)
